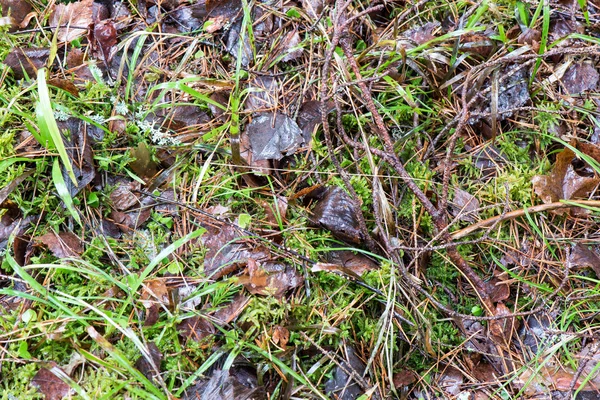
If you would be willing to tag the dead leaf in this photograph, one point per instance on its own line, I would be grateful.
(404, 378)
(63, 244)
(464, 205)
(122, 197)
(451, 380)
(342, 386)
(73, 19)
(422, 34)
(225, 385)
(280, 336)
(150, 371)
(26, 62)
(582, 256)
(263, 94)
(580, 77)
(18, 10)
(291, 46)
(105, 36)
(195, 328)
(335, 211)
(232, 310)
(563, 183)
(356, 262)
(50, 385)
(531, 37)
(65, 85)
(233, 44)
(270, 279)
(155, 296)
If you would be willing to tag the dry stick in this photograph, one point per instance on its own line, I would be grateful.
(519, 213)
(437, 216)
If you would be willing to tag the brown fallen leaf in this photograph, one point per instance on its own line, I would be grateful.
(563, 183)
(270, 279)
(226, 385)
(280, 336)
(26, 62)
(72, 20)
(336, 212)
(231, 311)
(104, 37)
(195, 328)
(146, 367)
(155, 296)
(143, 166)
(582, 256)
(17, 11)
(464, 205)
(51, 386)
(63, 244)
(580, 77)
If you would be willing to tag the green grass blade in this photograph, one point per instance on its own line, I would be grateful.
(48, 129)
(63, 192)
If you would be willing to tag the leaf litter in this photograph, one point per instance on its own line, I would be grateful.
(161, 169)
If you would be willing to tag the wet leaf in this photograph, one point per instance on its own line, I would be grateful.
(122, 197)
(233, 44)
(26, 62)
(224, 9)
(273, 136)
(262, 96)
(582, 256)
(155, 296)
(424, 33)
(270, 279)
(65, 85)
(18, 10)
(145, 366)
(563, 183)
(358, 263)
(342, 386)
(224, 385)
(280, 336)
(226, 252)
(232, 310)
(534, 335)
(8, 189)
(50, 385)
(404, 378)
(73, 19)
(63, 244)
(196, 328)
(451, 380)
(580, 77)
(336, 212)
(105, 36)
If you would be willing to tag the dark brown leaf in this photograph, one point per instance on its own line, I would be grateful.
(80, 151)
(356, 263)
(18, 11)
(563, 183)
(65, 85)
(225, 9)
(26, 62)
(196, 328)
(224, 385)
(404, 378)
(50, 385)
(291, 46)
(105, 36)
(336, 212)
(231, 311)
(582, 256)
(155, 296)
(63, 244)
(280, 336)
(580, 77)
(342, 386)
(424, 33)
(146, 367)
(8, 189)
(270, 279)
(497, 290)
(122, 197)
(263, 94)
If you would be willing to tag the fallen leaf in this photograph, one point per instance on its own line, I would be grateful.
(51, 386)
(563, 183)
(423, 33)
(72, 19)
(262, 94)
(122, 197)
(233, 44)
(26, 62)
(342, 386)
(464, 205)
(225, 385)
(280, 336)
(195, 328)
(291, 46)
(580, 77)
(63, 244)
(232, 310)
(335, 211)
(143, 166)
(270, 279)
(18, 10)
(451, 380)
(146, 367)
(356, 262)
(155, 296)
(404, 378)
(105, 36)
(582, 256)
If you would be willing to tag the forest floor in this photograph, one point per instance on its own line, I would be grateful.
(342, 199)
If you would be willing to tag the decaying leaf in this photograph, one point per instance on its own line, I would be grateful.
(563, 183)
(464, 205)
(335, 211)
(26, 62)
(104, 35)
(270, 279)
(122, 197)
(263, 93)
(273, 136)
(225, 385)
(196, 328)
(580, 77)
(155, 296)
(582, 256)
(356, 262)
(146, 367)
(342, 386)
(143, 166)
(63, 244)
(72, 19)
(422, 34)
(50, 385)
(291, 46)
(18, 11)
(232, 310)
